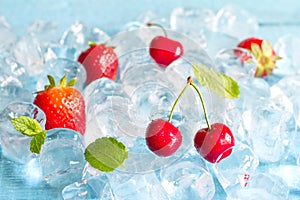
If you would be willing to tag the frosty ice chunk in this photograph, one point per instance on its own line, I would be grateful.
(264, 187)
(6, 35)
(136, 186)
(287, 89)
(192, 22)
(235, 63)
(62, 159)
(55, 51)
(27, 51)
(96, 187)
(188, 178)
(45, 31)
(143, 19)
(286, 47)
(15, 146)
(271, 131)
(14, 82)
(107, 108)
(236, 21)
(252, 91)
(290, 173)
(60, 67)
(235, 170)
(79, 34)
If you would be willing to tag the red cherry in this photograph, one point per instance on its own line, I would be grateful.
(215, 144)
(163, 138)
(164, 50)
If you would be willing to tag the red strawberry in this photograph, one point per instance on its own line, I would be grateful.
(264, 53)
(63, 105)
(99, 61)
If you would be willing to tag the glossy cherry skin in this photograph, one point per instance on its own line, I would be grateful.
(164, 50)
(215, 144)
(163, 138)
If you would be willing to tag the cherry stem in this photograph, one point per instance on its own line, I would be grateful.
(190, 82)
(203, 105)
(158, 25)
(177, 100)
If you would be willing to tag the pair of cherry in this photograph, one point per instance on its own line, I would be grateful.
(213, 143)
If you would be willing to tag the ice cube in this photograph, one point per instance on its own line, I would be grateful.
(236, 169)
(152, 16)
(55, 51)
(7, 37)
(262, 186)
(136, 186)
(144, 18)
(288, 89)
(28, 52)
(290, 173)
(15, 146)
(192, 19)
(96, 187)
(217, 41)
(286, 47)
(45, 31)
(62, 157)
(14, 82)
(235, 63)
(271, 131)
(252, 92)
(191, 22)
(79, 34)
(59, 67)
(107, 108)
(236, 21)
(188, 178)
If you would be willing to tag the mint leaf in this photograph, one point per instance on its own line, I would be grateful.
(106, 154)
(26, 125)
(30, 127)
(37, 142)
(219, 83)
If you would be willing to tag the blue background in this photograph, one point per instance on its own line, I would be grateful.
(110, 15)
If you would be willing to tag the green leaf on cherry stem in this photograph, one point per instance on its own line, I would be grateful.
(106, 154)
(219, 83)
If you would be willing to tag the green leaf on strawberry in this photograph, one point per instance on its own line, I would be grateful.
(31, 128)
(106, 154)
(219, 83)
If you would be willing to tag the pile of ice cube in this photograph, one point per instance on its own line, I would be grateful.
(265, 163)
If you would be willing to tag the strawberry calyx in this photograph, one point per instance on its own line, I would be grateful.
(62, 82)
(266, 58)
(92, 43)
